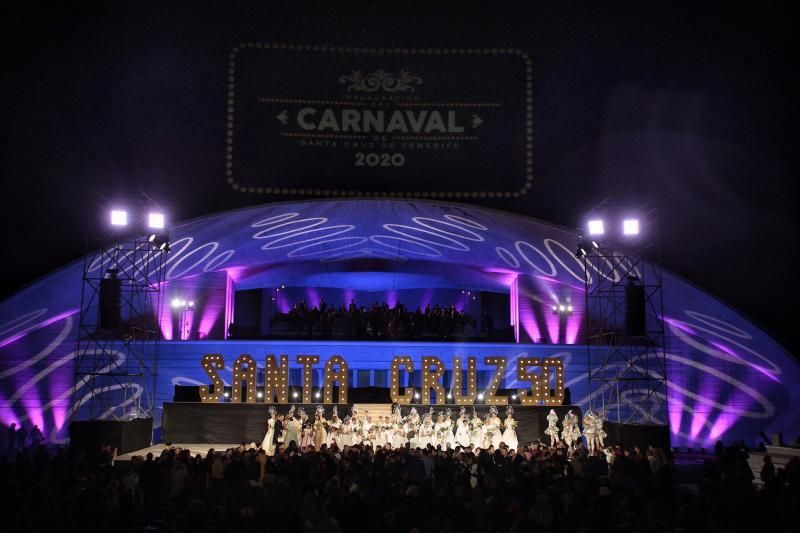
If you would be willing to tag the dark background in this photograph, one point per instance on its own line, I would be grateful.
(689, 108)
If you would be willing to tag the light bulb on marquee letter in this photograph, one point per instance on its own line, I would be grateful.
(211, 363)
(472, 382)
(276, 379)
(332, 376)
(553, 366)
(431, 379)
(490, 396)
(308, 362)
(534, 395)
(394, 387)
(244, 369)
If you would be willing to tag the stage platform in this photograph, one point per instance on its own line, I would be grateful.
(195, 448)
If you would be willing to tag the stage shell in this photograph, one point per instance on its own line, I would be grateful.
(726, 378)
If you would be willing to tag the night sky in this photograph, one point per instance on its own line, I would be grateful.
(692, 111)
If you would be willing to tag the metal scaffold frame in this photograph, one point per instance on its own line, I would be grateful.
(116, 355)
(626, 361)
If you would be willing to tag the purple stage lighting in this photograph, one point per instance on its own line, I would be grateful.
(119, 217)
(596, 227)
(630, 226)
(155, 220)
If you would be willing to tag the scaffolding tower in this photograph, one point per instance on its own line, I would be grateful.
(625, 335)
(116, 355)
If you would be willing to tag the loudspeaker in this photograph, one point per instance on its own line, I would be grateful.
(634, 311)
(110, 303)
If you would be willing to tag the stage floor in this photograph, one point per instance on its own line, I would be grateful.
(195, 448)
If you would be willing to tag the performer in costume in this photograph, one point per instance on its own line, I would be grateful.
(267, 444)
(319, 427)
(386, 432)
(510, 432)
(439, 430)
(599, 434)
(476, 430)
(399, 438)
(450, 437)
(413, 426)
(570, 432)
(588, 430)
(462, 428)
(334, 429)
(492, 434)
(290, 428)
(552, 427)
(307, 430)
(426, 431)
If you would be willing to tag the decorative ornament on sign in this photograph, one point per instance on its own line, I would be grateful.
(381, 80)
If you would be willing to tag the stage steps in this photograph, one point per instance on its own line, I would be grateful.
(374, 409)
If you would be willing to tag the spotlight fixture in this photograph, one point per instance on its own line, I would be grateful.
(259, 394)
(155, 220)
(295, 395)
(480, 396)
(416, 396)
(317, 395)
(596, 227)
(227, 394)
(562, 309)
(630, 227)
(119, 217)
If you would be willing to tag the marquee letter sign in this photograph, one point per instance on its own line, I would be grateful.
(244, 370)
(333, 375)
(276, 379)
(211, 363)
(308, 362)
(401, 361)
(547, 383)
(472, 382)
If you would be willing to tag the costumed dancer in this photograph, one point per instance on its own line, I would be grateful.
(426, 430)
(306, 429)
(290, 428)
(267, 444)
(510, 433)
(476, 430)
(588, 430)
(450, 438)
(599, 434)
(320, 435)
(399, 438)
(387, 431)
(570, 432)
(462, 428)
(346, 435)
(334, 429)
(413, 425)
(552, 427)
(440, 432)
(492, 435)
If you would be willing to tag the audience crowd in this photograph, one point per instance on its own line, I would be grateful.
(360, 489)
(380, 321)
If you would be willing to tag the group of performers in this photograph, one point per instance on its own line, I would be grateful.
(438, 430)
(570, 432)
